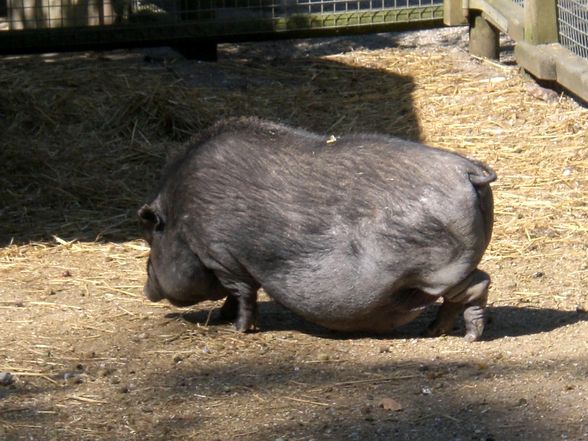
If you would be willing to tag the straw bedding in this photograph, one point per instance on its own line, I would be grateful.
(84, 137)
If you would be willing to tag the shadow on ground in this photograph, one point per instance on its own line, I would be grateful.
(433, 400)
(502, 321)
(84, 138)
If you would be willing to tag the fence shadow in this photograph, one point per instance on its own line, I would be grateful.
(86, 135)
(296, 398)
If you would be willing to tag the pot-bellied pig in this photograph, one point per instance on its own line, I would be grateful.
(358, 233)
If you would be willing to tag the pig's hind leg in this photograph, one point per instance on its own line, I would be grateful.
(470, 296)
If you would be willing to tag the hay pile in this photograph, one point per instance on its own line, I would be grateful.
(82, 142)
(84, 136)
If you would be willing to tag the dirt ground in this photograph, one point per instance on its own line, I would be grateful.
(84, 357)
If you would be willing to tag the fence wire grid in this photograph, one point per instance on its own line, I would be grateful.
(40, 14)
(572, 17)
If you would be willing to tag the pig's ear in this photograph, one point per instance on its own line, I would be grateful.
(150, 218)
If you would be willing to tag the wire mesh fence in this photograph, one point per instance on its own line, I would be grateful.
(572, 16)
(42, 14)
(572, 24)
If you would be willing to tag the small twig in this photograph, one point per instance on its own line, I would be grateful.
(94, 328)
(208, 318)
(32, 374)
(316, 403)
(245, 433)
(449, 417)
(125, 310)
(121, 291)
(263, 400)
(18, 303)
(86, 399)
(426, 417)
(27, 426)
(371, 380)
(492, 63)
(161, 351)
(55, 305)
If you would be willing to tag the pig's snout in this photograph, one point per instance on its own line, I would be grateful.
(151, 289)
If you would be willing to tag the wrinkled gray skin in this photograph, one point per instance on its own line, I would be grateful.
(359, 234)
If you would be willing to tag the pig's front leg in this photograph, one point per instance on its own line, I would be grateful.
(241, 303)
(247, 311)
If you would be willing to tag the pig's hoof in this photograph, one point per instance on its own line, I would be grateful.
(471, 338)
(241, 328)
(474, 330)
(244, 326)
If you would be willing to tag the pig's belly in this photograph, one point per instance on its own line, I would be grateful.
(384, 313)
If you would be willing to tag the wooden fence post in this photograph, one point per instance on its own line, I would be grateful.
(483, 37)
(540, 21)
(454, 13)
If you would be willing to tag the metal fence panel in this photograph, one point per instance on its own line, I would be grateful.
(572, 16)
(49, 14)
